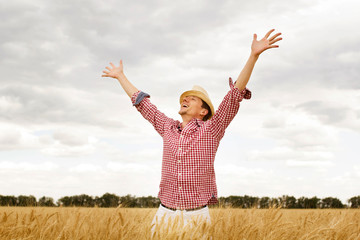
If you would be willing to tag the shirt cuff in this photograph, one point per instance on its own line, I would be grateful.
(240, 94)
(137, 97)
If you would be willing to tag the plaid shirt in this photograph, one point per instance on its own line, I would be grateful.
(187, 175)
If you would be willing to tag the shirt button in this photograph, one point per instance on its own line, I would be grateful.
(179, 148)
(179, 161)
(179, 174)
(180, 187)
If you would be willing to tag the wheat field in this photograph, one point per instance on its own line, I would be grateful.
(129, 223)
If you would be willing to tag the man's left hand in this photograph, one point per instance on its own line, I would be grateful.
(265, 43)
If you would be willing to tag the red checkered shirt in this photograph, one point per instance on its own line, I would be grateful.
(187, 175)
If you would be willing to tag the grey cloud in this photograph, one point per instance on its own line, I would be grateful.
(328, 113)
(70, 139)
(28, 105)
(274, 123)
(9, 139)
(310, 164)
(315, 55)
(138, 31)
(38, 39)
(304, 71)
(303, 137)
(310, 140)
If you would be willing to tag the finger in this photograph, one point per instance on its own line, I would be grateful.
(269, 32)
(121, 63)
(275, 36)
(108, 68)
(106, 72)
(271, 46)
(274, 41)
(112, 65)
(105, 75)
(274, 46)
(255, 36)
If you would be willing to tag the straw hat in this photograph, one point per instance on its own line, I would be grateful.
(200, 93)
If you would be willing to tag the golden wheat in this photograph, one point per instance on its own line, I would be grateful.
(226, 223)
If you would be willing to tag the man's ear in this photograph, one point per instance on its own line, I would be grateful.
(203, 112)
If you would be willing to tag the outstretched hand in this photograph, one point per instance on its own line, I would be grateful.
(114, 71)
(265, 43)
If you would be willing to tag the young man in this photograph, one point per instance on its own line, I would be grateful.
(187, 178)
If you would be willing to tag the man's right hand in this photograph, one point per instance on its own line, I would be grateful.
(114, 72)
(118, 73)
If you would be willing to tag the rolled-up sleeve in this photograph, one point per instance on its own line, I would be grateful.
(137, 97)
(240, 94)
(149, 111)
(228, 109)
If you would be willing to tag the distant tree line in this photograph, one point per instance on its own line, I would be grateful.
(111, 200)
(107, 200)
(26, 201)
(286, 201)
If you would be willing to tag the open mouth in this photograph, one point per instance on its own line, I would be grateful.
(185, 106)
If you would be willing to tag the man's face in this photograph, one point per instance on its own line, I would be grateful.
(191, 106)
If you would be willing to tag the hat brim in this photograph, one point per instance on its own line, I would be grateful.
(200, 95)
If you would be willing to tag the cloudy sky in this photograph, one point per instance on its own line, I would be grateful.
(64, 130)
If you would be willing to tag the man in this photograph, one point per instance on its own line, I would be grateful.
(188, 183)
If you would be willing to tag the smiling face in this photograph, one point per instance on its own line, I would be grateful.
(191, 107)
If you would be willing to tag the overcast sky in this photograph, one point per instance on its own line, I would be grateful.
(64, 130)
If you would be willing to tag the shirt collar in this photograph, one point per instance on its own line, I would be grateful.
(198, 122)
(195, 121)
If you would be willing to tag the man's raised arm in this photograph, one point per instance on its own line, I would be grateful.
(257, 47)
(118, 73)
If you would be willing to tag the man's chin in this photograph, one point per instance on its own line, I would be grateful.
(181, 112)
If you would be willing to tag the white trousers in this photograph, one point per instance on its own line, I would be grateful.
(167, 214)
